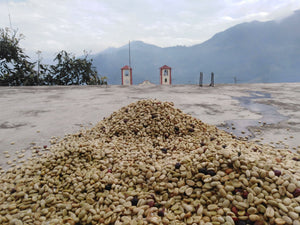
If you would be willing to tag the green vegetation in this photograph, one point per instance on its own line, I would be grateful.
(17, 70)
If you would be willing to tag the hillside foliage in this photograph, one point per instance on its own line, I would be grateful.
(16, 69)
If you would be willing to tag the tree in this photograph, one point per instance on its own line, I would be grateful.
(45, 75)
(73, 71)
(15, 69)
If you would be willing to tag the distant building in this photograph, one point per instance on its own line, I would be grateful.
(165, 75)
(126, 75)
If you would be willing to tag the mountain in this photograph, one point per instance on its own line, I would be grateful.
(251, 52)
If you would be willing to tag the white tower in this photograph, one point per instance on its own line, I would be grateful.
(126, 75)
(165, 75)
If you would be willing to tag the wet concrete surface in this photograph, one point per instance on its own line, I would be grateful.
(30, 116)
(269, 114)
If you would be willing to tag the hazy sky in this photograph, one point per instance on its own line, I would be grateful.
(94, 25)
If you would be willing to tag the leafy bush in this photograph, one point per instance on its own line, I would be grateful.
(16, 70)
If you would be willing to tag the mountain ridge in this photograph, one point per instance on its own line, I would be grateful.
(252, 52)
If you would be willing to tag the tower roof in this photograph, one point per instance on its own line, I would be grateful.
(125, 68)
(165, 67)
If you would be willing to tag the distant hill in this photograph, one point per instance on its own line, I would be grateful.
(251, 52)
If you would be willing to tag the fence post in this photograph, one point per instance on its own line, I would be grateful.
(201, 79)
(212, 81)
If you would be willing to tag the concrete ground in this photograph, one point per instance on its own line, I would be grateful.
(30, 116)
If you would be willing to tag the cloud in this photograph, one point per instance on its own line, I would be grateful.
(227, 18)
(54, 25)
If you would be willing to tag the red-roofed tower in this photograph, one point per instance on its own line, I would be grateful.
(165, 75)
(126, 75)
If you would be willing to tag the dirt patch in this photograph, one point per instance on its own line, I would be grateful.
(33, 113)
(8, 125)
(56, 96)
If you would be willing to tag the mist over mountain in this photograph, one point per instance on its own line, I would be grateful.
(251, 52)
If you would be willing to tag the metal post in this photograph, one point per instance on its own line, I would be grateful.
(38, 65)
(212, 82)
(201, 79)
(129, 56)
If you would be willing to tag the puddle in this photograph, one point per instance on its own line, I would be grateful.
(269, 115)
